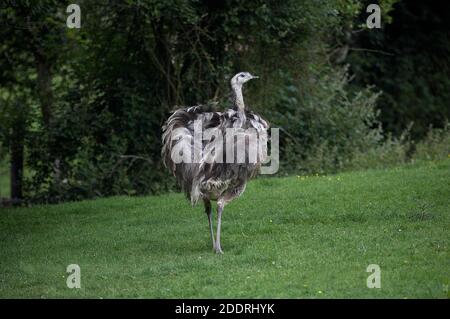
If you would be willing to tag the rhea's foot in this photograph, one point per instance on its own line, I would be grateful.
(218, 249)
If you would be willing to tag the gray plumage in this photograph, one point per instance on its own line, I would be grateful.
(208, 178)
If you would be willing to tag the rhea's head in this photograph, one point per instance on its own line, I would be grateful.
(241, 78)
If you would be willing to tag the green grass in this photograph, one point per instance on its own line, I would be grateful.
(285, 237)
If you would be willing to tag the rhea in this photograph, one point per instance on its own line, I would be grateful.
(211, 178)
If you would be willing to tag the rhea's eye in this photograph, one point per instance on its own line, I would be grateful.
(241, 75)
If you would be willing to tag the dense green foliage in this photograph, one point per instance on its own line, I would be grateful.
(81, 109)
(294, 237)
(331, 126)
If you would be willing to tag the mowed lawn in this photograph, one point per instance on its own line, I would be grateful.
(293, 237)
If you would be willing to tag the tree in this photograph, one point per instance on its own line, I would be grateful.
(30, 41)
(408, 60)
(92, 100)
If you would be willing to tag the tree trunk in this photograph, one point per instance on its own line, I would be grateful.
(164, 62)
(44, 87)
(16, 157)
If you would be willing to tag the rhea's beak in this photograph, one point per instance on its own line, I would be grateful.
(255, 77)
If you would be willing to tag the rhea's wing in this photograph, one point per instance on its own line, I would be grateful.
(250, 129)
(178, 137)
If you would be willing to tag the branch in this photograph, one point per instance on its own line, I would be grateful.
(136, 157)
(372, 50)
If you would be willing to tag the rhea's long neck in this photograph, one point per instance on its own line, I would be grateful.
(238, 98)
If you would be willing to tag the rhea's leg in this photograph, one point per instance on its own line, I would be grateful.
(208, 212)
(220, 206)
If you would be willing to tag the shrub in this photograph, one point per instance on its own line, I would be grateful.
(325, 127)
(435, 145)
